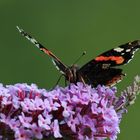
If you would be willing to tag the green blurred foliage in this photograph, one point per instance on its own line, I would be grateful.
(67, 27)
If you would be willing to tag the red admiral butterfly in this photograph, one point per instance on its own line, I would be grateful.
(101, 70)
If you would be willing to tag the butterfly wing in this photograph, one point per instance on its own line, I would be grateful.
(120, 55)
(101, 70)
(56, 61)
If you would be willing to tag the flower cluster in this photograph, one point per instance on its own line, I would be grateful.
(77, 112)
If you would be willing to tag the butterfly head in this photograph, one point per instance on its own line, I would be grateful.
(71, 73)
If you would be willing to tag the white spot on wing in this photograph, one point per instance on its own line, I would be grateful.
(135, 50)
(57, 67)
(27, 37)
(33, 41)
(37, 45)
(53, 62)
(129, 60)
(133, 55)
(128, 50)
(20, 30)
(118, 49)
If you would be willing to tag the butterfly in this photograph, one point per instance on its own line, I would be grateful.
(101, 70)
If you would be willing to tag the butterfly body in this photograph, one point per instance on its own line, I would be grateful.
(101, 70)
(71, 74)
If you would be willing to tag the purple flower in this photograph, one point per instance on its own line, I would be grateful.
(23, 134)
(77, 111)
(44, 122)
(72, 123)
(37, 131)
(55, 129)
(25, 121)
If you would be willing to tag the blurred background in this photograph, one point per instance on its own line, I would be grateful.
(68, 27)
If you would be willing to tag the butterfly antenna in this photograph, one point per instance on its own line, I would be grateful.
(79, 57)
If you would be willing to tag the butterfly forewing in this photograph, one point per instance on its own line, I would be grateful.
(56, 61)
(120, 55)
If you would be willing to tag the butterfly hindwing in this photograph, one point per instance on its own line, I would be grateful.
(94, 75)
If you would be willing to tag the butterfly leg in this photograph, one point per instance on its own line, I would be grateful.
(81, 79)
(57, 81)
(65, 82)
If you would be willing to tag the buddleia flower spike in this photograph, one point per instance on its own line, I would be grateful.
(77, 112)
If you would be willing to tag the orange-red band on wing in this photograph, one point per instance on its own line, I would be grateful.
(45, 51)
(117, 59)
(50, 54)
